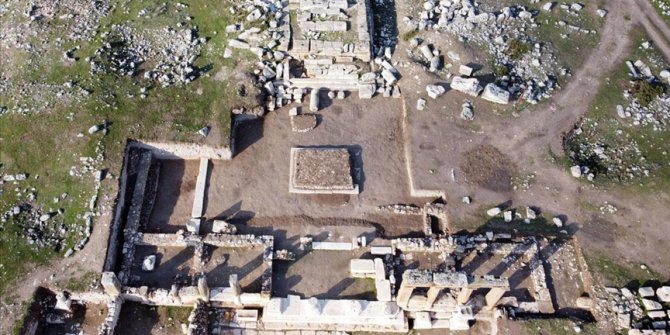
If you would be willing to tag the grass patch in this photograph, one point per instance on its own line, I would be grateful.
(481, 223)
(662, 7)
(17, 327)
(178, 314)
(516, 48)
(46, 144)
(410, 35)
(81, 283)
(618, 273)
(557, 327)
(601, 124)
(646, 92)
(570, 51)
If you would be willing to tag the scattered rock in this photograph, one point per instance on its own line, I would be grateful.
(576, 171)
(204, 131)
(467, 112)
(558, 221)
(493, 211)
(468, 86)
(435, 91)
(465, 70)
(421, 104)
(149, 263)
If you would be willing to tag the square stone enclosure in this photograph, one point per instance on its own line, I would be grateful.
(321, 171)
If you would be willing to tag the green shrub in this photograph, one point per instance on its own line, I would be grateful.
(500, 70)
(516, 48)
(409, 35)
(645, 92)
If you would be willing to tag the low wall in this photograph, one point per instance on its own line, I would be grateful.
(174, 150)
(293, 313)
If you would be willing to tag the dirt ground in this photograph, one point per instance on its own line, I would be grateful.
(442, 144)
(138, 319)
(86, 319)
(322, 274)
(255, 183)
(246, 263)
(170, 264)
(174, 196)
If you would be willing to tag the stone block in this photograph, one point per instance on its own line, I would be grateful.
(646, 291)
(663, 293)
(469, 86)
(362, 268)
(200, 185)
(495, 94)
(465, 70)
(381, 250)
(422, 320)
(651, 305)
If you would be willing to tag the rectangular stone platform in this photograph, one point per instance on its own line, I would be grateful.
(321, 171)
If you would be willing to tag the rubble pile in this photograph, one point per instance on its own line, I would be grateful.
(31, 98)
(78, 18)
(620, 157)
(263, 30)
(527, 72)
(657, 113)
(173, 51)
(593, 155)
(29, 27)
(40, 229)
(199, 319)
(663, 5)
(635, 309)
(385, 30)
(401, 209)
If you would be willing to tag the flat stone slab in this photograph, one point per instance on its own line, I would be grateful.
(321, 171)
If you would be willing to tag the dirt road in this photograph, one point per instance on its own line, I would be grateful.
(442, 142)
(633, 232)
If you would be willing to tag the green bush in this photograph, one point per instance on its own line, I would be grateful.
(409, 35)
(500, 70)
(516, 48)
(645, 92)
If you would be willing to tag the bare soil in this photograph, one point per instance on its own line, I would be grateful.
(174, 196)
(246, 263)
(489, 168)
(138, 319)
(255, 183)
(322, 274)
(439, 142)
(171, 263)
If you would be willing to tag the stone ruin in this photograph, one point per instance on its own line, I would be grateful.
(321, 170)
(450, 296)
(314, 45)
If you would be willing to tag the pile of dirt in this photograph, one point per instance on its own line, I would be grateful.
(489, 168)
